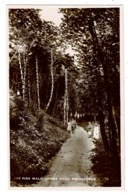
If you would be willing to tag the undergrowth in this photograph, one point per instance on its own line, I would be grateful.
(33, 142)
(104, 167)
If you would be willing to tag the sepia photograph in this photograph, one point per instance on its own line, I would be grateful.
(64, 67)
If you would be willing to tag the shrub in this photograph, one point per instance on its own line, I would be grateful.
(33, 141)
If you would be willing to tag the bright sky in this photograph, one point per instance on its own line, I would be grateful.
(51, 14)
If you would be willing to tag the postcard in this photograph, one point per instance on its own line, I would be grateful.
(65, 82)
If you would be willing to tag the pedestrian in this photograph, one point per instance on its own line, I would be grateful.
(89, 129)
(73, 122)
(96, 132)
(69, 128)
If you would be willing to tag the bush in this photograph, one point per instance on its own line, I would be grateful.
(17, 108)
(33, 141)
(103, 166)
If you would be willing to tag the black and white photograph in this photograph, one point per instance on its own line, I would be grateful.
(65, 96)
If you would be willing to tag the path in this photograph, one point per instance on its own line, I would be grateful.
(71, 166)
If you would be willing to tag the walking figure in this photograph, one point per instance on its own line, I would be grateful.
(89, 129)
(71, 126)
(96, 131)
(73, 121)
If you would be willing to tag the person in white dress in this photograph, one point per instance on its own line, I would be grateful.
(89, 129)
(96, 132)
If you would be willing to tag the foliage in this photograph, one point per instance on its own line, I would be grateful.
(17, 107)
(32, 39)
(103, 167)
(31, 145)
(77, 29)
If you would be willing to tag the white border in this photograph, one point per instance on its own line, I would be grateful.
(4, 83)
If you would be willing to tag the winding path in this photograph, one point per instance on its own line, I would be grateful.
(72, 166)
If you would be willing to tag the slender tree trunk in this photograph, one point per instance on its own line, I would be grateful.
(94, 117)
(64, 109)
(117, 126)
(52, 78)
(110, 135)
(37, 84)
(116, 123)
(55, 99)
(29, 89)
(66, 99)
(22, 77)
(66, 88)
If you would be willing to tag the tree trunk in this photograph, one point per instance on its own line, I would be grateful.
(64, 109)
(116, 123)
(37, 84)
(110, 134)
(22, 78)
(55, 103)
(24, 75)
(101, 60)
(29, 90)
(66, 88)
(101, 118)
(93, 115)
(52, 78)
(102, 129)
(66, 99)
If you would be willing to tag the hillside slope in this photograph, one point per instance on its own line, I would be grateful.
(32, 145)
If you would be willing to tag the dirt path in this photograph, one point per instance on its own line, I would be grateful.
(71, 166)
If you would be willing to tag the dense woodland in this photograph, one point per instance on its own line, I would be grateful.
(46, 81)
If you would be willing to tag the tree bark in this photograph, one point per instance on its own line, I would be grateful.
(64, 110)
(66, 99)
(66, 88)
(37, 84)
(101, 118)
(52, 78)
(29, 89)
(22, 77)
(116, 123)
(55, 103)
(102, 129)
